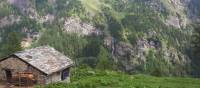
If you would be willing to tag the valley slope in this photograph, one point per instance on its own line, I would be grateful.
(139, 36)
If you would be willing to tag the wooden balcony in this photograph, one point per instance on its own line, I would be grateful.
(23, 79)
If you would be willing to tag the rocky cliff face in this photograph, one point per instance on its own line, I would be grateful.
(74, 25)
(9, 20)
(194, 10)
(135, 57)
(181, 12)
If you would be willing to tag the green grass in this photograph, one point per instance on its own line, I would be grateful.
(87, 78)
(92, 6)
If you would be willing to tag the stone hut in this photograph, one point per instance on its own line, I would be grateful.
(43, 65)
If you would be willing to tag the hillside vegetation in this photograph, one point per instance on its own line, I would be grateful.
(136, 36)
(115, 39)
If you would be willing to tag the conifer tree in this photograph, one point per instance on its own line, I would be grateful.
(103, 58)
(11, 44)
(196, 40)
(196, 51)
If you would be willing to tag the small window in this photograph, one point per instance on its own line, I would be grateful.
(65, 74)
(29, 68)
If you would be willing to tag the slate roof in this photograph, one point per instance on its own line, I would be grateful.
(45, 58)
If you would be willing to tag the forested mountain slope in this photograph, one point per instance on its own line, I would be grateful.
(135, 36)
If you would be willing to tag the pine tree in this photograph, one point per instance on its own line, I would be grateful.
(11, 44)
(196, 51)
(196, 40)
(103, 58)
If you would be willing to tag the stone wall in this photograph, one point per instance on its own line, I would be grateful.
(12, 63)
(56, 77)
(16, 65)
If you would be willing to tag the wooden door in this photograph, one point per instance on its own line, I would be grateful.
(8, 75)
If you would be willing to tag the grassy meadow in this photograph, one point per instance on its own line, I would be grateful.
(88, 78)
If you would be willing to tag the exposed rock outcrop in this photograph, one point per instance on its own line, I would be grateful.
(9, 20)
(75, 25)
(133, 57)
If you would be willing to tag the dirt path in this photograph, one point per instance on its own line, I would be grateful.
(2, 85)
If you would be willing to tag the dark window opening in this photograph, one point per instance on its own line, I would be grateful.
(29, 68)
(8, 75)
(65, 74)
